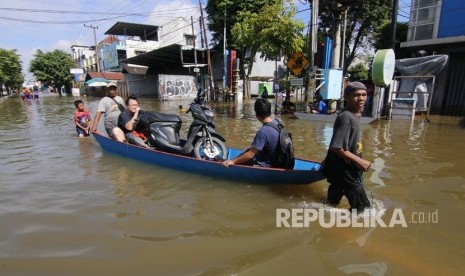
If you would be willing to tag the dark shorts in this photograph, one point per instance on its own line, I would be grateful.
(109, 129)
(81, 132)
(355, 194)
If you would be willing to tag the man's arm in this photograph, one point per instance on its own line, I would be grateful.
(244, 157)
(132, 122)
(361, 163)
(95, 121)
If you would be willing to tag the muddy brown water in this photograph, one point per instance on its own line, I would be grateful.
(68, 208)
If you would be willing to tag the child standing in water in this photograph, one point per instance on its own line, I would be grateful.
(82, 119)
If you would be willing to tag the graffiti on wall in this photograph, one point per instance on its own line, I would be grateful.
(177, 87)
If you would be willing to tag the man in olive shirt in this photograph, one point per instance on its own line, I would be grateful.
(344, 163)
(110, 106)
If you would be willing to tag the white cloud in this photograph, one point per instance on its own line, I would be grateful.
(167, 11)
(64, 45)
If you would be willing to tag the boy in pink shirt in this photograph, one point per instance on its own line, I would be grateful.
(82, 119)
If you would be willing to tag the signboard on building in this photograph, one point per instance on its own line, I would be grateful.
(76, 71)
(110, 57)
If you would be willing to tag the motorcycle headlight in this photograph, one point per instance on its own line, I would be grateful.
(209, 113)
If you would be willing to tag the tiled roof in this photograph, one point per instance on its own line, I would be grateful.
(115, 76)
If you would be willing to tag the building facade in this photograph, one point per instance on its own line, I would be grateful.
(438, 27)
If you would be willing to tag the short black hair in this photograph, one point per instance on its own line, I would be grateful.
(77, 102)
(262, 108)
(130, 98)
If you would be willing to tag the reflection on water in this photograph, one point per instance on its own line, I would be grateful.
(64, 200)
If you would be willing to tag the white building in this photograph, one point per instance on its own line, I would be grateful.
(126, 40)
(84, 56)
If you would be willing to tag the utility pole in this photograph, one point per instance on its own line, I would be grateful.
(395, 3)
(275, 82)
(95, 43)
(313, 49)
(193, 35)
(212, 84)
(386, 89)
(224, 53)
(336, 60)
(343, 54)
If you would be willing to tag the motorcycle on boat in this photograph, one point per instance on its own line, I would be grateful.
(202, 141)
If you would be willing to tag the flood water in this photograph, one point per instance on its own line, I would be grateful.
(68, 208)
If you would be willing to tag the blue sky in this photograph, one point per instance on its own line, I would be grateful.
(28, 25)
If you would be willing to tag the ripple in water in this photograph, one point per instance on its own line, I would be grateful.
(377, 206)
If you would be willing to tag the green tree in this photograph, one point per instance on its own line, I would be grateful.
(363, 18)
(52, 68)
(10, 70)
(271, 30)
(382, 38)
(220, 12)
(358, 72)
(222, 15)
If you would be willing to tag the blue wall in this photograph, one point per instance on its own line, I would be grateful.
(452, 20)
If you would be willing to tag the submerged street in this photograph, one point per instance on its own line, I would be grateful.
(69, 208)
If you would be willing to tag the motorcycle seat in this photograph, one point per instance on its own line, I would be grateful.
(153, 116)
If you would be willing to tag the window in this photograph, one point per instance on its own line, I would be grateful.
(189, 39)
(423, 19)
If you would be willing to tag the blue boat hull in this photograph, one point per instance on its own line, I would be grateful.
(305, 171)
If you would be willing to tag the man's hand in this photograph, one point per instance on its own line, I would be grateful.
(363, 164)
(227, 163)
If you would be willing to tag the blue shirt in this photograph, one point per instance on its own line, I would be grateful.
(322, 108)
(266, 140)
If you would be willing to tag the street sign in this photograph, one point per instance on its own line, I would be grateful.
(76, 71)
(297, 82)
(297, 63)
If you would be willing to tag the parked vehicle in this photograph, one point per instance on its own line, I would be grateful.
(202, 141)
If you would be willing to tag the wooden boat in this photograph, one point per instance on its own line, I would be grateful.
(304, 172)
(330, 118)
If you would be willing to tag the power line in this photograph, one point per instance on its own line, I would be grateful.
(60, 22)
(91, 12)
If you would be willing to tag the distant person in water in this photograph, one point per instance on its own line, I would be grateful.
(82, 119)
(265, 93)
(319, 105)
(288, 106)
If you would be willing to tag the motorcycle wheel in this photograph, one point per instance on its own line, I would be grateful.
(217, 151)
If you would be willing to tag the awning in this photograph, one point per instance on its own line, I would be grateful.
(261, 78)
(110, 76)
(97, 82)
(172, 59)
